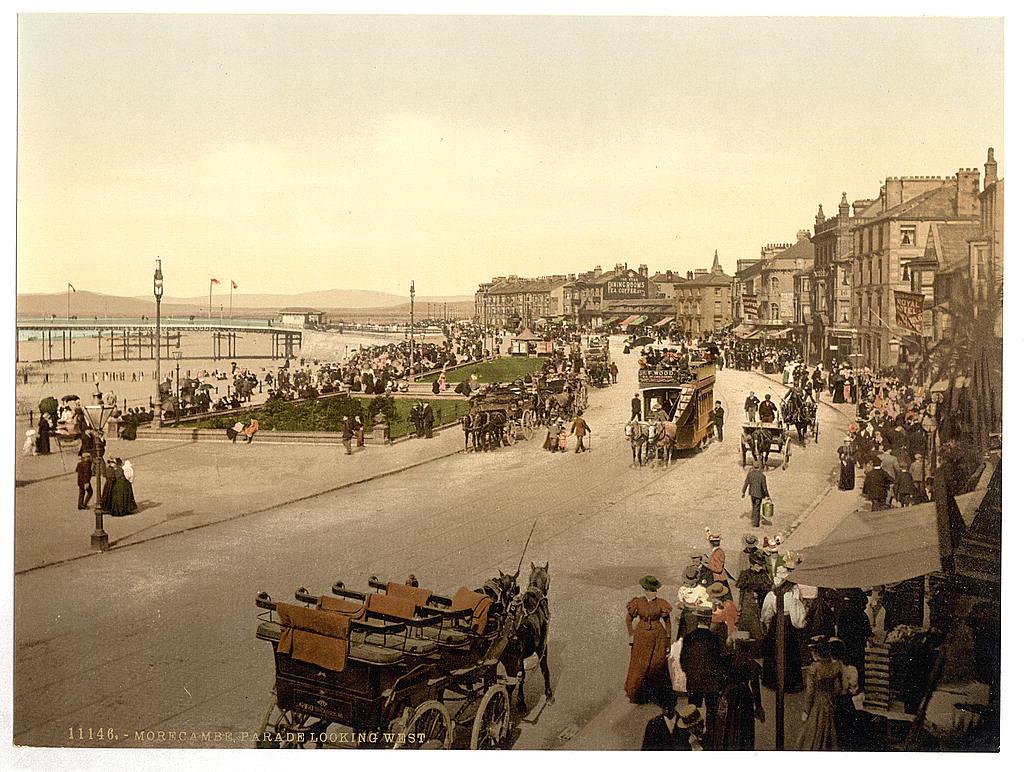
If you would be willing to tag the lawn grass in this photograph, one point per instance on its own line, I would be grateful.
(501, 370)
(324, 415)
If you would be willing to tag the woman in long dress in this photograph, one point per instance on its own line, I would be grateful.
(122, 495)
(824, 685)
(648, 625)
(795, 618)
(740, 703)
(753, 584)
(43, 435)
(847, 467)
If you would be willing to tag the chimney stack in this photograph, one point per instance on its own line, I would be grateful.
(967, 192)
(990, 168)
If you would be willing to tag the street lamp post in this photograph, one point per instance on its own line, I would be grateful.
(158, 293)
(177, 384)
(96, 416)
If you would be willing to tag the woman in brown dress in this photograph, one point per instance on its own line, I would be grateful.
(824, 686)
(648, 625)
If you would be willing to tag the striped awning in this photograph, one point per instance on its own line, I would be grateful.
(666, 320)
(638, 320)
(628, 321)
(778, 334)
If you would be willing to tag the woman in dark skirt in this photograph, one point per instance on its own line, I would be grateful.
(753, 584)
(122, 497)
(740, 702)
(795, 619)
(109, 477)
(43, 435)
(847, 467)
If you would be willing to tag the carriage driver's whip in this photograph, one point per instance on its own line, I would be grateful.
(524, 550)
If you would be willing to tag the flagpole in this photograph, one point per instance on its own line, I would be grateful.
(209, 313)
(69, 301)
(231, 299)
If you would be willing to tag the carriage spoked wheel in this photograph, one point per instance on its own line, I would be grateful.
(432, 720)
(493, 717)
(786, 452)
(291, 725)
(527, 429)
(511, 433)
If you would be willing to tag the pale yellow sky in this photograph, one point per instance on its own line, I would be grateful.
(296, 153)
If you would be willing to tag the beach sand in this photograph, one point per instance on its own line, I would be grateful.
(80, 375)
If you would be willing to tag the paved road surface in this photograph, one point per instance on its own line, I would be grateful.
(160, 636)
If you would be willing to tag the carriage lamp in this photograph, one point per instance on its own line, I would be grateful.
(96, 416)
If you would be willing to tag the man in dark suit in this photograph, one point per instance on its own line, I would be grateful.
(876, 486)
(718, 418)
(750, 405)
(703, 662)
(674, 731)
(84, 470)
(757, 484)
(767, 410)
(636, 405)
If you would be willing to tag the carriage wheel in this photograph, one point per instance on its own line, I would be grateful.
(491, 725)
(284, 722)
(431, 719)
(786, 452)
(527, 427)
(510, 433)
(743, 455)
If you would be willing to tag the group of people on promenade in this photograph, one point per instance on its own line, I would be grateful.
(705, 658)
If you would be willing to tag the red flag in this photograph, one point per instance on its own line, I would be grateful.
(214, 281)
(233, 285)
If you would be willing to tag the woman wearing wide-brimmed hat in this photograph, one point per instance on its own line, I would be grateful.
(824, 685)
(648, 625)
(752, 585)
(740, 702)
(724, 615)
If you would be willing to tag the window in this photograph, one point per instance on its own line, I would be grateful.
(871, 240)
(846, 276)
(881, 280)
(718, 308)
(775, 312)
(908, 235)
(775, 285)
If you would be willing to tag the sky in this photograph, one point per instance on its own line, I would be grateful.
(300, 153)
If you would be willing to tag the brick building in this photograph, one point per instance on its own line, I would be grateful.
(884, 246)
(770, 281)
(703, 300)
(509, 302)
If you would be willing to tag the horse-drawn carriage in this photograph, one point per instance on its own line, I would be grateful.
(760, 440)
(598, 361)
(399, 666)
(501, 415)
(800, 411)
(560, 395)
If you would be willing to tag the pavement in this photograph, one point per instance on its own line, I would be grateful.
(181, 486)
(158, 635)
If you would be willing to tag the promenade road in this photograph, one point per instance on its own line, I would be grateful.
(159, 636)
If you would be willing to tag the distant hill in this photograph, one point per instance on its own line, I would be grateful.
(322, 299)
(360, 303)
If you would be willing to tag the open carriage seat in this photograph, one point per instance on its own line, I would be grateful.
(465, 614)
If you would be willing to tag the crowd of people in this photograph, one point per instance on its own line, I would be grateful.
(705, 658)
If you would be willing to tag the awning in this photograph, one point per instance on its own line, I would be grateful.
(778, 334)
(752, 334)
(638, 320)
(666, 320)
(556, 320)
(866, 549)
(628, 320)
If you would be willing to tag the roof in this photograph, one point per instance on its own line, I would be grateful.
(300, 311)
(666, 277)
(518, 286)
(936, 204)
(787, 259)
(707, 280)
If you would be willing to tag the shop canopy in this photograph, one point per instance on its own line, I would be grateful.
(866, 549)
(666, 320)
(628, 320)
(638, 320)
(780, 333)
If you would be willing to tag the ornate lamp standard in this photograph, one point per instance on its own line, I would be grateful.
(158, 292)
(96, 416)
